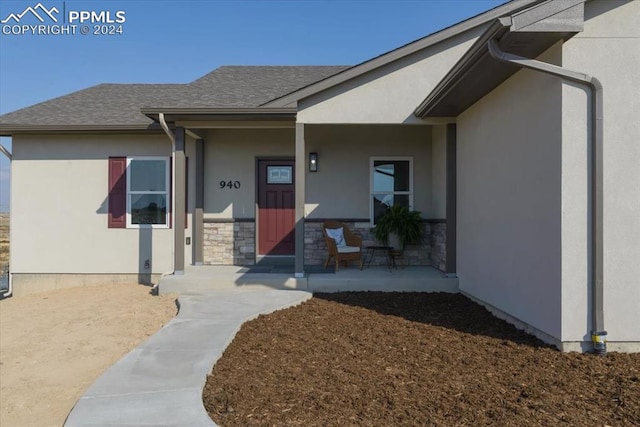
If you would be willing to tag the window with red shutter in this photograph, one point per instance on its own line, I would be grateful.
(148, 192)
(139, 192)
(117, 192)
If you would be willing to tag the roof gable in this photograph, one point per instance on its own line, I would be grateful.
(510, 7)
(477, 73)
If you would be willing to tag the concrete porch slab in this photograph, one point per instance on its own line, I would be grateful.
(208, 277)
(402, 279)
(408, 279)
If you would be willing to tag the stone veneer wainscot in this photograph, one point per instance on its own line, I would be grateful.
(229, 242)
(233, 242)
(431, 251)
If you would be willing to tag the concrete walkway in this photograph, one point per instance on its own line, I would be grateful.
(160, 382)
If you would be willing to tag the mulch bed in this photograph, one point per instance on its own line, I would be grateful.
(373, 359)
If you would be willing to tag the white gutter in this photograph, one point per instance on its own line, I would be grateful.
(172, 137)
(596, 266)
(6, 152)
(9, 291)
(166, 129)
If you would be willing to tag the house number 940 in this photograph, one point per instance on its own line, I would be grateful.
(230, 184)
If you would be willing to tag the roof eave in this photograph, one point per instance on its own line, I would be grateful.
(8, 129)
(173, 114)
(464, 66)
(525, 33)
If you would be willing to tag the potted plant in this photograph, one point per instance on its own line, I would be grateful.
(400, 225)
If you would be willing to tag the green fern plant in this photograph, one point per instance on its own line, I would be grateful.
(401, 220)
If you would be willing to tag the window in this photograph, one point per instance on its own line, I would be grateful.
(279, 174)
(391, 184)
(147, 191)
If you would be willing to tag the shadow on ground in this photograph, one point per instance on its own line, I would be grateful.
(282, 265)
(451, 311)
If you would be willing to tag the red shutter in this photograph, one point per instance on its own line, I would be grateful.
(117, 192)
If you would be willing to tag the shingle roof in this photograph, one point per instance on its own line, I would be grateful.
(104, 104)
(120, 104)
(226, 87)
(252, 86)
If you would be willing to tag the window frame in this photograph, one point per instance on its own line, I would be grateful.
(372, 161)
(167, 191)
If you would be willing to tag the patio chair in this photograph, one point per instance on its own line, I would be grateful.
(342, 244)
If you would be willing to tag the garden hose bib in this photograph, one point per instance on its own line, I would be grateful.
(599, 339)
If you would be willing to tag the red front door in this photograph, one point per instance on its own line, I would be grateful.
(276, 207)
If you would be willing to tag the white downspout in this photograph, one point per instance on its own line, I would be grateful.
(6, 152)
(9, 291)
(165, 127)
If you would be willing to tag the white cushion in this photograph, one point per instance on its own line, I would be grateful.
(337, 235)
(348, 249)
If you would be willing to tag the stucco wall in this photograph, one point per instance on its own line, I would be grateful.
(230, 155)
(608, 48)
(509, 201)
(340, 188)
(390, 93)
(59, 199)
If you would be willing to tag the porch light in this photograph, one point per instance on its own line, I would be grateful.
(313, 162)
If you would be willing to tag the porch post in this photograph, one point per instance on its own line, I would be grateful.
(300, 198)
(179, 204)
(451, 250)
(198, 216)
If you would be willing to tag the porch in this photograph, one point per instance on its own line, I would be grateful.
(403, 279)
(235, 214)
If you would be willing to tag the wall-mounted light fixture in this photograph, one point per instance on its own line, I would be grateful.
(313, 162)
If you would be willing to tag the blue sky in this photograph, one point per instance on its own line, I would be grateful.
(176, 41)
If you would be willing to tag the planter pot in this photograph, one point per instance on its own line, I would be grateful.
(394, 241)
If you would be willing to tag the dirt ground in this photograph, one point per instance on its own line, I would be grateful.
(54, 345)
(373, 359)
